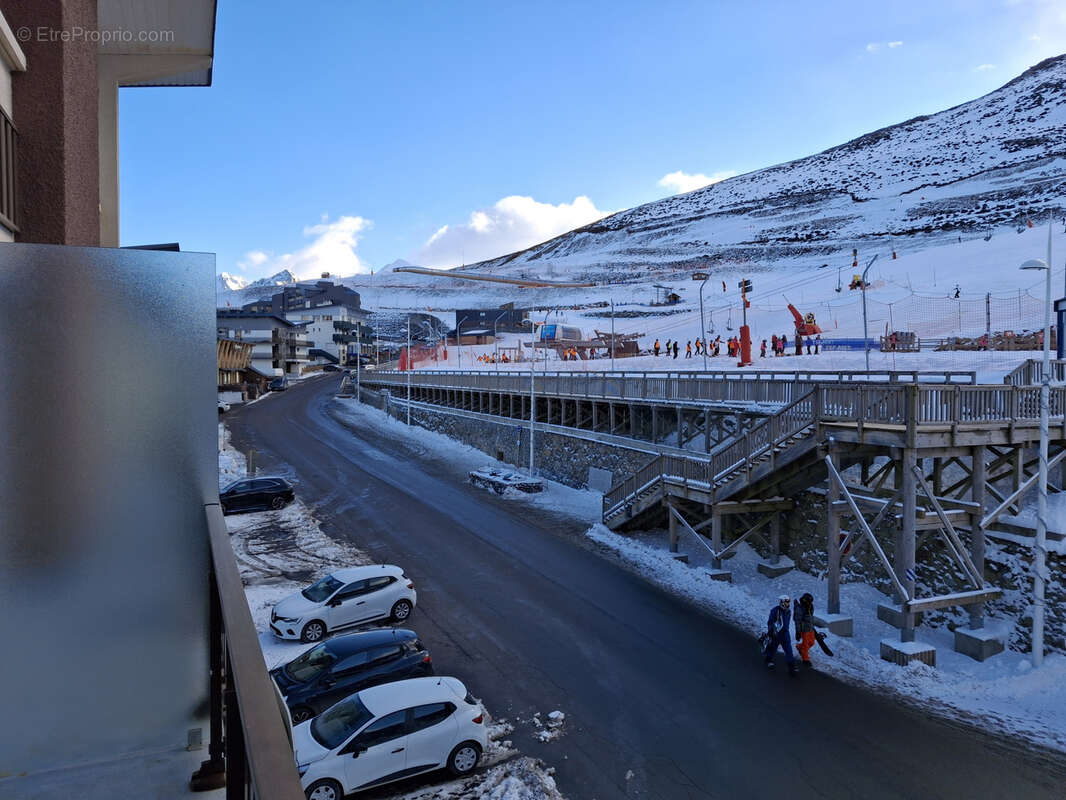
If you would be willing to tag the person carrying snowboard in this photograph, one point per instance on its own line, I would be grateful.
(804, 621)
(655, 347)
(777, 631)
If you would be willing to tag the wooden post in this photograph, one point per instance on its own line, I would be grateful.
(716, 538)
(707, 432)
(775, 537)
(905, 553)
(680, 422)
(832, 543)
(864, 472)
(938, 476)
(610, 416)
(1018, 457)
(654, 424)
(977, 535)
(632, 422)
(673, 528)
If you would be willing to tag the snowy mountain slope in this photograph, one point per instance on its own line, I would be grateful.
(229, 283)
(983, 165)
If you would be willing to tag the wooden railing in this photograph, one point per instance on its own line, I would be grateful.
(700, 387)
(1030, 371)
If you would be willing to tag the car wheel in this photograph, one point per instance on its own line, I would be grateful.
(464, 758)
(301, 714)
(277, 503)
(401, 610)
(313, 631)
(325, 789)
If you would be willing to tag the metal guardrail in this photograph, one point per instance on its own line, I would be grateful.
(1030, 372)
(250, 751)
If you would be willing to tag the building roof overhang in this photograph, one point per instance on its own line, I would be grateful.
(158, 42)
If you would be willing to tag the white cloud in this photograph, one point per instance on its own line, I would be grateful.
(874, 47)
(984, 67)
(683, 182)
(513, 223)
(331, 250)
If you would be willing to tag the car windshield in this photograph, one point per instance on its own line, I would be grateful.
(318, 592)
(307, 666)
(336, 724)
(233, 485)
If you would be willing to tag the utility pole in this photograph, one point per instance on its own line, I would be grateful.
(532, 393)
(358, 359)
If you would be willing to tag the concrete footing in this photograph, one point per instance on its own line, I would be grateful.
(903, 653)
(775, 570)
(839, 624)
(720, 575)
(682, 557)
(977, 644)
(893, 616)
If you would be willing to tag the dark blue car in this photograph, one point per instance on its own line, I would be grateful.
(344, 665)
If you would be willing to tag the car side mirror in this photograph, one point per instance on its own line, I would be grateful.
(358, 750)
(334, 602)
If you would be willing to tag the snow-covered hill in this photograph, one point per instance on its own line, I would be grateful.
(229, 283)
(235, 290)
(967, 171)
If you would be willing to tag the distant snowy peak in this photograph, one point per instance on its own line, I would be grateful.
(230, 283)
(397, 263)
(283, 278)
(988, 164)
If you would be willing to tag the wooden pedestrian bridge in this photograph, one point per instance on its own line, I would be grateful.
(922, 454)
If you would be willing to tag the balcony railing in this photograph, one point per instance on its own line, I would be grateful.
(9, 195)
(250, 750)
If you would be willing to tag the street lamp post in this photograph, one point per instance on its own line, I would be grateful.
(495, 340)
(865, 333)
(1040, 571)
(696, 276)
(612, 334)
(409, 366)
(358, 359)
(459, 339)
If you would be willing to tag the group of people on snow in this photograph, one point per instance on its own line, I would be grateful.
(778, 345)
(777, 633)
(493, 358)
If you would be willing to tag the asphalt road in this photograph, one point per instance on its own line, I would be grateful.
(662, 700)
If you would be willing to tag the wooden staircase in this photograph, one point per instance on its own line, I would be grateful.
(775, 446)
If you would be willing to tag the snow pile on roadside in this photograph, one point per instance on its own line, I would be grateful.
(1003, 692)
(463, 459)
(553, 729)
(523, 778)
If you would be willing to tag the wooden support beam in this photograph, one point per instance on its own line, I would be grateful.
(989, 520)
(955, 546)
(753, 506)
(905, 550)
(977, 531)
(977, 596)
(832, 543)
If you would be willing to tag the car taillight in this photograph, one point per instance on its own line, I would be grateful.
(478, 719)
(426, 659)
(410, 585)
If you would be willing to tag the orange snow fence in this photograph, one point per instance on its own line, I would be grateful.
(422, 355)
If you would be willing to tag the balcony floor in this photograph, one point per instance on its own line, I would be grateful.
(161, 775)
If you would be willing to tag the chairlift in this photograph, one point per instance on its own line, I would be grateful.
(840, 286)
(729, 320)
(711, 316)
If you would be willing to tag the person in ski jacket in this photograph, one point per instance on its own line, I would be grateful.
(762, 349)
(655, 348)
(809, 343)
(773, 344)
(817, 343)
(676, 349)
(804, 621)
(688, 349)
(777, 628)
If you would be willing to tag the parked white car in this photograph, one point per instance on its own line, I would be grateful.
(344, 599)
(387, 733)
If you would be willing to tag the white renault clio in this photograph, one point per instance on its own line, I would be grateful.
(343, 599)
(387, 733)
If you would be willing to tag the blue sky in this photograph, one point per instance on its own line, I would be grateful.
(343, 135)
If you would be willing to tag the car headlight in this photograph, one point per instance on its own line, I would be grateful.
(287, 619)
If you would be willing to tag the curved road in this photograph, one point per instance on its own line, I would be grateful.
(661, 700)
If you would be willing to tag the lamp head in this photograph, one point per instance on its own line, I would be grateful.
(1034, 263)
